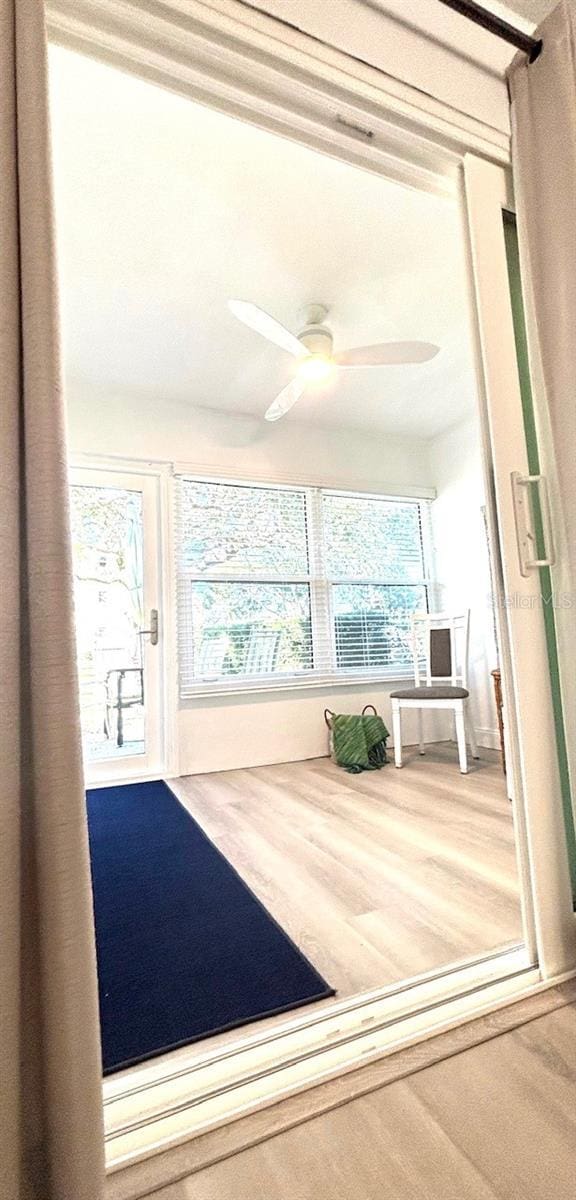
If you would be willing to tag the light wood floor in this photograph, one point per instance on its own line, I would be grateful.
(497, 1122)
(379, 876)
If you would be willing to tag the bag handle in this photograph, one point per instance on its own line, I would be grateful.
(328, 714)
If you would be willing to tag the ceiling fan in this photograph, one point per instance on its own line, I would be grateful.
(313, 349)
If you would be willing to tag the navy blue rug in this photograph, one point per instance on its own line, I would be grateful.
(185, 949)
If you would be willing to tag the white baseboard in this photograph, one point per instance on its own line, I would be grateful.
(490, 738)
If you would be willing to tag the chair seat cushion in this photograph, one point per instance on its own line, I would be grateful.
(436, 691)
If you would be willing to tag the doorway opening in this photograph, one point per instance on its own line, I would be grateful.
(293, 554)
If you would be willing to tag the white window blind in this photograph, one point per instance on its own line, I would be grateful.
(375, 564)
(280, 586)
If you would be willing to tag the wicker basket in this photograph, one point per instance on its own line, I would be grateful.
(328, 715)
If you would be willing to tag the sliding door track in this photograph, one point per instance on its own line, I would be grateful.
(190, 1091)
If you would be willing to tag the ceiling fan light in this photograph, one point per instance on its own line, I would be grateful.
(315, 368)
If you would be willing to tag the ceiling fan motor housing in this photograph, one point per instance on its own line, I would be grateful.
(317, 339)
(315, 335)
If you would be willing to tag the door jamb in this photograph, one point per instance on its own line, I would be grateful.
(544, 859)
(391, 111)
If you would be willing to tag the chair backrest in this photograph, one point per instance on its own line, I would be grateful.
(440, 648)
(262, 651)
(212, 652)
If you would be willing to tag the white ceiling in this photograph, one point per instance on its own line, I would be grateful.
(531, 10)
(165, 209)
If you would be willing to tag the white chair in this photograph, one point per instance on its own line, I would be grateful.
(440, 644)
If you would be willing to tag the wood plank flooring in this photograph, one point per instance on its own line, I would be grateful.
(379, 876)
(496, 1122)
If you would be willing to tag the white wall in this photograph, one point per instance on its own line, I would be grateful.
(161, 428)
(462, 564)
(270, 727)
(216, 734)
(249, 730)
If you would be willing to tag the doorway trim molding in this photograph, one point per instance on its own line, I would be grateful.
(238, 60)
(243, 63)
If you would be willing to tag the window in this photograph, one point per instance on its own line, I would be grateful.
(280, 585)
(374, 562)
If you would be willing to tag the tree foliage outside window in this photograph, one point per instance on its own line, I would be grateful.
(248, 628)
(372, 538)
(246, 530)
(252, 605)
(373, 624)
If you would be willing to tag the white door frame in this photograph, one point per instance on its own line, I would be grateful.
(152, 761)
(279, 79)
(530, 720)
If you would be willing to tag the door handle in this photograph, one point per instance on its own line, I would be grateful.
(152, 632)
(523, 517)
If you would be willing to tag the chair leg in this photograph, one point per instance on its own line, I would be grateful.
(397, 733)
(421, 747)
(460, 721)
(471, 734)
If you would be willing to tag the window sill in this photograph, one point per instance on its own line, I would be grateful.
(327, 683)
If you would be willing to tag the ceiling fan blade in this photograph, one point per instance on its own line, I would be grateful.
(387, 354)
(285, 400)
(266, 325)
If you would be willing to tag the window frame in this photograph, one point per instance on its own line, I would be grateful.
(320, 586)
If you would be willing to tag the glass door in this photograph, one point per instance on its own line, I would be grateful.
(533, 718)
(118, 628)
